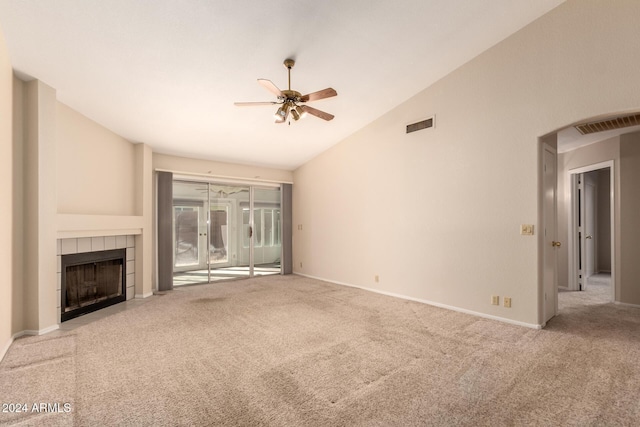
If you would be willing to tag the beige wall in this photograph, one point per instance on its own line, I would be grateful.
(96, 167)
(436, 214)
(18, 205)
(629, 265)
(6, 215)
(219, 169)
(144, 208)
(40, 278)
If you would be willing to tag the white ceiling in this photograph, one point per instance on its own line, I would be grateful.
(166, 72)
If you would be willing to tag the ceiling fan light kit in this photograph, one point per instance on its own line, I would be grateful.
(290, 100)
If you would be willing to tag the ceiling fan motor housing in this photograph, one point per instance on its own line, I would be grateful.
(291, 95)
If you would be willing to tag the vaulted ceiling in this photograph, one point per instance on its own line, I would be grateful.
(167, 72)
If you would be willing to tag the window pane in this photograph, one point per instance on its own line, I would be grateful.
(276, 226)
(219, 237)
(268, 227)
(257, 229)
(186, 236)
(245, 227)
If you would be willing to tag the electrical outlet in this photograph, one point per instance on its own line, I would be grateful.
(495, 300)
(300, 264)
(507, 302)
(377, 278)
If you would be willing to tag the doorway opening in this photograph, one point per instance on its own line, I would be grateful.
(224, 231)
(591, 236)
(595, 253)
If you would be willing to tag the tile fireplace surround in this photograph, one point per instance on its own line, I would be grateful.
(93, 244)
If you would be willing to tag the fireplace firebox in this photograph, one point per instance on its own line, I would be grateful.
(91, 281)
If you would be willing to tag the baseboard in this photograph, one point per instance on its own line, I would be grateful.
(433, 303)
(40, 331)
(142, 296)
(17, 335)
(564, 288)
(624, 304)
(5, 348)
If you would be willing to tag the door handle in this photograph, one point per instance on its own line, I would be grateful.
(556, 244)
(589, 237)
(250, 231)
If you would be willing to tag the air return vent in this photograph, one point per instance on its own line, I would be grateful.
(424, 124)
(609, 124)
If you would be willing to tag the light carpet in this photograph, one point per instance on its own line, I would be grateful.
(291, 351)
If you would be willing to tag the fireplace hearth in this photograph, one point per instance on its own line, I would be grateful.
(92, 281)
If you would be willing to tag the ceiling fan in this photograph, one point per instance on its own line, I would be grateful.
(290, 100)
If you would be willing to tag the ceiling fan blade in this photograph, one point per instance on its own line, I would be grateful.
(321, 94)
(268, 84)
(317, 113)
(252, 104)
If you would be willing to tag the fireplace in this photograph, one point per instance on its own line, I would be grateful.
(91, 281)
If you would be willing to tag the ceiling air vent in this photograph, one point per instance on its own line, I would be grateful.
(424, 124)
(609, 124)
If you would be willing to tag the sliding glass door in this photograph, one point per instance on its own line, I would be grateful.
(190, 233)
(267, 245)
(225, 231)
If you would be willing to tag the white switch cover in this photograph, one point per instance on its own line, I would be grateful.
(526, 229)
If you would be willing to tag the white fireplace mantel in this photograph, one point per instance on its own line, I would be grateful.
(74, 225)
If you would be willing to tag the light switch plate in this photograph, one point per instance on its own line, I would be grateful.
(526, 229)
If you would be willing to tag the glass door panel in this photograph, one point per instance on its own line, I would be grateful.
(219, 232)
(227, 231)
(190, 234)
(187, 247)
(267, 246)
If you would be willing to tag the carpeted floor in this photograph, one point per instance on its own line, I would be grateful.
(291, 351)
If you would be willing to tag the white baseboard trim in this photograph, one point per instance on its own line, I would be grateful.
(564, 288)
(40, 331)
(435, 304)
(147, 295)
(3, 351)
(624, 304)
(5, 348)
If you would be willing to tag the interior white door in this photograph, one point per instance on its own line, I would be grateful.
(590, 228)
(550, 291)
(579, 231)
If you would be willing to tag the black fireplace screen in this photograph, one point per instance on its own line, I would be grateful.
(91, 281)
